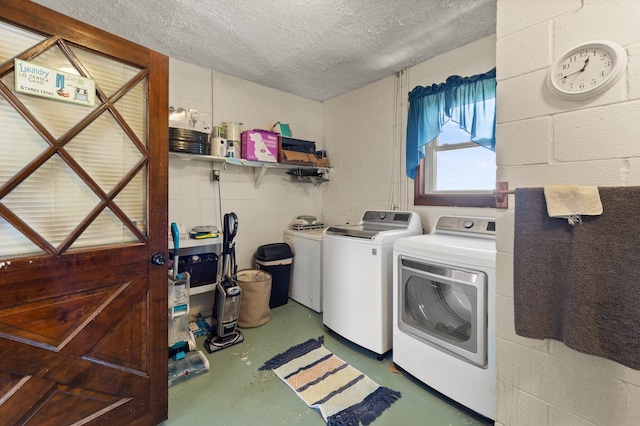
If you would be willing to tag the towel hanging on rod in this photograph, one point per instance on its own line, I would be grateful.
(579, 284)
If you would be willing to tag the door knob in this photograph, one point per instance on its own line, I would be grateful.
(158, 259)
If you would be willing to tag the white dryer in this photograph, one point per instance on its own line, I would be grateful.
(306, 271)
(357, 276)
(444, 301)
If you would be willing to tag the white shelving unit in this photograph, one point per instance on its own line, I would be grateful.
(259, 167)
(215, 243)
(208, 245)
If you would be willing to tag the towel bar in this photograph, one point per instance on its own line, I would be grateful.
(501, 193)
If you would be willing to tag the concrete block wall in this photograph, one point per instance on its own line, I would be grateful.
(358, 136)
(263, 212)
(364, 134)
(544, 140)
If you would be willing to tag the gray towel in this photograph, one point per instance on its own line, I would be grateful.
(580, 284)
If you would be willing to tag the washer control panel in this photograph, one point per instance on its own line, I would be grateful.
(476, 225)
(390, 218)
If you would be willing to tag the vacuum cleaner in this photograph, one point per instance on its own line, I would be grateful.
(185, 362)
(226, 306)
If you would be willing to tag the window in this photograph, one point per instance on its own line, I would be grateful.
(456, 171)
(450, 145)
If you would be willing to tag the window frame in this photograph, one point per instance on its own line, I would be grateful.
(457, 199)
(426, 177)
(449, 144)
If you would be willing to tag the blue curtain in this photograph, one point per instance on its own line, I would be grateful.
(468, 101)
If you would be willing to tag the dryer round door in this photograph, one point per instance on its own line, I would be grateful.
(445, 306)
(445, 309)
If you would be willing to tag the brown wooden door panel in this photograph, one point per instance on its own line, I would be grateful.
(52, 322)
(31, 391)
(113, 368)
(86, 262)
(83, 331)
(65, 404)
(105, 368)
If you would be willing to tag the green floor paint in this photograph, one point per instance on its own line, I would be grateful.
(234, 392)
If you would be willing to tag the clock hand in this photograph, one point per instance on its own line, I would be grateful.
(569, 75)
(579, 71)
(585, 64)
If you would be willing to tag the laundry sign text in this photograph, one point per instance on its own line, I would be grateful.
(53, 84)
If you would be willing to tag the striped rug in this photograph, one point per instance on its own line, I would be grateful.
(342, 394)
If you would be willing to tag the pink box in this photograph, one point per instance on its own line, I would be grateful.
(260, 145)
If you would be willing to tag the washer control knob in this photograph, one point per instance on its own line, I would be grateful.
(382, 215)
(468, 224)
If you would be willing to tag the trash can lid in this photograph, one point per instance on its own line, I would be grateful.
(275, 251)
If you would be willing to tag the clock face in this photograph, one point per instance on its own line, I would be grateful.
(586, 70)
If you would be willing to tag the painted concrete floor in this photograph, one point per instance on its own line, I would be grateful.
(234, 392)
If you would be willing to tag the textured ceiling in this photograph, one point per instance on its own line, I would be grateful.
(317, 49)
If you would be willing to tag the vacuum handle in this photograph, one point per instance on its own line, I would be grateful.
(175, 234)
(230, 230)
(231, 225)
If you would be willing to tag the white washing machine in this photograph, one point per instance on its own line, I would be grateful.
(306, 271)
(444, 310)
(357, 276)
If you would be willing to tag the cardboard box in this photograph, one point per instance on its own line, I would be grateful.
(295, 157)
(300, 158)
(321, 162)
(287, 156)
(260, 145)
(200, 327)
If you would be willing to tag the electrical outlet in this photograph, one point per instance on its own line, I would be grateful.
(215, 175)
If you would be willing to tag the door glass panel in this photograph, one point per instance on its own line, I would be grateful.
(131, 107)
(20, 144)
(53, 199)
(14, 41)
(14, 242)
(109, 75)
(104, 151)
(106, 229)
(134, 206)
(54, 58)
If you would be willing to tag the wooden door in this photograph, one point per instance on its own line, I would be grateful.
(83, 310)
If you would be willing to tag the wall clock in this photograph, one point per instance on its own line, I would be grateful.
(587, 70)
